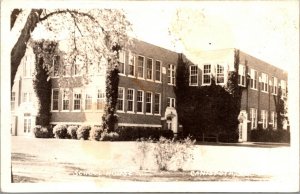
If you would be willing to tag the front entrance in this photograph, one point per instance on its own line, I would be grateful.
(243, 118)
(171, 119)
(27, 125)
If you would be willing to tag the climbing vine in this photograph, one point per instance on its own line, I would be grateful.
(44, 51)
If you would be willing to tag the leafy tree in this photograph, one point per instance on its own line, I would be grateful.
(91, 33)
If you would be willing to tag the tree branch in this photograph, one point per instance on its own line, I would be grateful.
(13, 17)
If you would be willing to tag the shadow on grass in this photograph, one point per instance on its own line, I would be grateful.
(26, 179)
(21, 157)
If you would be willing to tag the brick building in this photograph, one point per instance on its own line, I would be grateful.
(146, 89)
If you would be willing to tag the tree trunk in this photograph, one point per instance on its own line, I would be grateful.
(19, 48)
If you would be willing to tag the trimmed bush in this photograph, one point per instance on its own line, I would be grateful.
(42, 132)
(72, 132)
(112, 136)
(95, 133)
(134, 133)
(60, 131)
(83, 132)
(269, 135)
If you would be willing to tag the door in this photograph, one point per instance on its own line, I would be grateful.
(27, 125)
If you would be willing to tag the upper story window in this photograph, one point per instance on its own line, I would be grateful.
(149, 69)
(275, 85)
(254, 77)
(27, 97)
(206, 74)
(88, 99)
(120, 105)
(171, 102)
(283, 88)
(264, 82)
(220, 74)
(56, 65)
(131, 64)
(171, 74)
(77, 67)
(122, 62)
(100, 99)
(65, 99)
(158, 70)
(27, 71)
(67, 70)
(194, 75)
(141, 67)
(77, 99)
(242, 75)
(12, 101)
(55, 94)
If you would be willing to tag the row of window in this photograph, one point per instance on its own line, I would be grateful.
(264, 118)
(146, 102)
(265, 82)
(26, 97)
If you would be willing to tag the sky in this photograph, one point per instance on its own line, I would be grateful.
(268, 30)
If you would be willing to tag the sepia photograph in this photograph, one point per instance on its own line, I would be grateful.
(149, 96)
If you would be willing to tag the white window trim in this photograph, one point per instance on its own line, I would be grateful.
(13, 101)
(62, 100)
(171, 75)
(159, 105)
(90, 92)
(151, 103)
(285, 84)
(158, 81)
(252, 113)
(57, 89)
(244, 74)
(170, 99)
(265, 114)
(206, 84)
(143, 96)
(224, 76)
(123, 107)
(190, 76)
(75, 91)
(133, 102)
(134, 64)
(124, 57)
(96, 97)
(143, 77)
(275, 78)
(267, 82)
(152, 68)
(257, 79)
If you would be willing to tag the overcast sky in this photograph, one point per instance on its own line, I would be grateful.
(267, 30)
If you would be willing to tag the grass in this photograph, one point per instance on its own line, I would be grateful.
(57, 160)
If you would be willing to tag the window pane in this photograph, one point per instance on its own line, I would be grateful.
(149, 68)
(157, 70)
(141, 67)
(139, 101)
(120, 99)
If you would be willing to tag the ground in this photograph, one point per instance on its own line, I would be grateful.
(65, 160)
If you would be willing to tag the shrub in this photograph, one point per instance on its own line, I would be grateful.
(72, 132)
(112, 136)
(83, 132)
(134, 133)
(60, 131)
(169, 134)
(42, 132)
(95, 133)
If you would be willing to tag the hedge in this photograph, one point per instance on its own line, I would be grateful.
(134, 133)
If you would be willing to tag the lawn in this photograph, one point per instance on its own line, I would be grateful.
(58, 160)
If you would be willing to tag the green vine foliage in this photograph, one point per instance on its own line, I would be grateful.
(44, 51)
(109, 118)
(208, 109)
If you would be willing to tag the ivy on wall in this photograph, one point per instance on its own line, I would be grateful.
(208, 109)
(44, 51)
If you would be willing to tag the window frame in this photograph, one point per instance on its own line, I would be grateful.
(130, 100)
(193, 75)
(159, 104)
(138, 101)
(264, 84)
(100, 99)
(218, 74)
(283, 89)
(264, 119)
(206, 74)
(147, 69)
(13, 101)
(77, 91)
(242, 77)
(143, 67)
(121, 99)
(275, 86)
(88, 91)
(131, 54)
(253, 81)
(171, 74)
(54, 100)
(253, 118)
(160, 68)
(123, 53)
(148, 102)
(65, 90)
(170, 102)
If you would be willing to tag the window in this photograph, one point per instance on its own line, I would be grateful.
(140, 97)
(275, 85)
(193, 75)
(149, 69)
(171, 102)
(55, 93)
(242, 75)
(130, 100)
(206, 74)
(273, 119)
(253, 118)
(66, 100)
(158, 71)
(264, 82)
(101, 64)
(122, 62)
(12, 101)
(131, 64)
(148, 102)
(100, 99)
(78, 65)
(220, 74)
(55, 65)
(67, 70)
(120, 105)
(157, 103)
(283, 88)
(264, 118)
(171, 74)
(88, 100)
(77, 100)
(253, 80)
(141, 67)
(26, 97)
(27, 124)
(27, 66)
